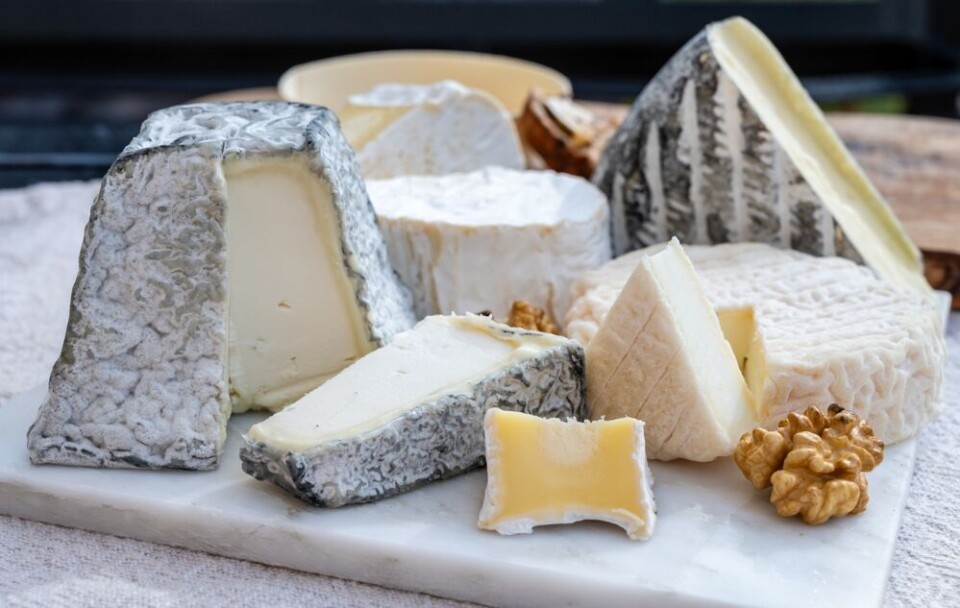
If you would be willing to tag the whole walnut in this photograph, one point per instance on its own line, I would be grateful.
(814, 461)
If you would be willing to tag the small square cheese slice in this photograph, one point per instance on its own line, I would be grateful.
(547, 471)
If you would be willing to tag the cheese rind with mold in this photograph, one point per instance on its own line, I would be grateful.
(725, 145)
(660, 356)
(445, 127)
(549, 471)
(479, 241)
(806, 331)
(189, 303)
(412, 411)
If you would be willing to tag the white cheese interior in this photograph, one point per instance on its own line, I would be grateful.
(795, 121)
(710, 354)
(292, 313)
(441, 355)
(436, 129)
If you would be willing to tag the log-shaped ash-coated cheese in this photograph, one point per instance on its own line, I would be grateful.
(232, 260)
(412, 411)
(725, 145)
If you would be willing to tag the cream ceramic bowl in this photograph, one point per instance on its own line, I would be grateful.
(329, 82)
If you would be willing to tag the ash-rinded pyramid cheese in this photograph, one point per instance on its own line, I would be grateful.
(660, 356)
(412, 411)
(725, 145)
(548, 471)
(478, 241)
(232, 259)
(805, 331)
(445, 127)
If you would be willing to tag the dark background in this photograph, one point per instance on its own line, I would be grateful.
(78, 76)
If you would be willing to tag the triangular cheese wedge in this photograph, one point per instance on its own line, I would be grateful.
(725, 145)
(661, 356)
(412, 411)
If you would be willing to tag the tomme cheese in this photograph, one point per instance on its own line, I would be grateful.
(548, 471)
(724, 145)
(660, 356)
(231, 259)
(478, 241)
(408, 129)
(412, 411)
(805, 331)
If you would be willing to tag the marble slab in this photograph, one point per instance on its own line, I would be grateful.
(718, 541)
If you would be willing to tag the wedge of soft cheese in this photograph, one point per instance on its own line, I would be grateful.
(412, 411)
(725, 145)
(660, 356)
(548, 471)
(479, 241)
(232, 261)
(445, 127)
(805, 331)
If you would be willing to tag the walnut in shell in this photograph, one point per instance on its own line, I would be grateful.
(525, 315)
(814, 461)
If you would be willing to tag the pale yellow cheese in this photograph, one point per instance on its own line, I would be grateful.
(548, 471)
(766, 81)
(293, 318)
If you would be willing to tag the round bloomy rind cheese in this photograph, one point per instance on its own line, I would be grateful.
(435, 129)
(478, 241)
(829, 330)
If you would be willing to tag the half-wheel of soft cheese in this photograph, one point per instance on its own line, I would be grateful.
(790, 330)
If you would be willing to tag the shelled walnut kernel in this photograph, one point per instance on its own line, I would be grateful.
(815, 462)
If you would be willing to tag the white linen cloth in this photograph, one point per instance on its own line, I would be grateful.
(41, 229)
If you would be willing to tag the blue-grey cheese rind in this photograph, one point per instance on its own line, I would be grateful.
(141, 379)
(432, 441)
(669, 171)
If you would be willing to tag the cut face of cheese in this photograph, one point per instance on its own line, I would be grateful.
(232, 259)
(661, 356)
(408, 129)
(417, 404)
(293, 317)
(805, 331)
(479, 241)
(724, 145)
(547, 471)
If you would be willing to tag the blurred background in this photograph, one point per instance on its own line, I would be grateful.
(78, 76)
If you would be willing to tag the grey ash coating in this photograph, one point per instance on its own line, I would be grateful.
(141, 380)
(691, 126)
(433, 441)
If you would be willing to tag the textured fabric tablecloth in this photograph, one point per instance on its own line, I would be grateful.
(47, 566)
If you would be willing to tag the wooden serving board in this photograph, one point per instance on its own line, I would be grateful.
(718, 541)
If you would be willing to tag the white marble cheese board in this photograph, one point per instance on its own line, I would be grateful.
(718, 542)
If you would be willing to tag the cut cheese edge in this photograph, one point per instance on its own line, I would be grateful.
(805, 331)
(476, 241)
(445, 127)
(661, 356)
(293, 318)
(548, 471)
(232, 259)
(412, 411)
(725, 146)
(797, 123)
